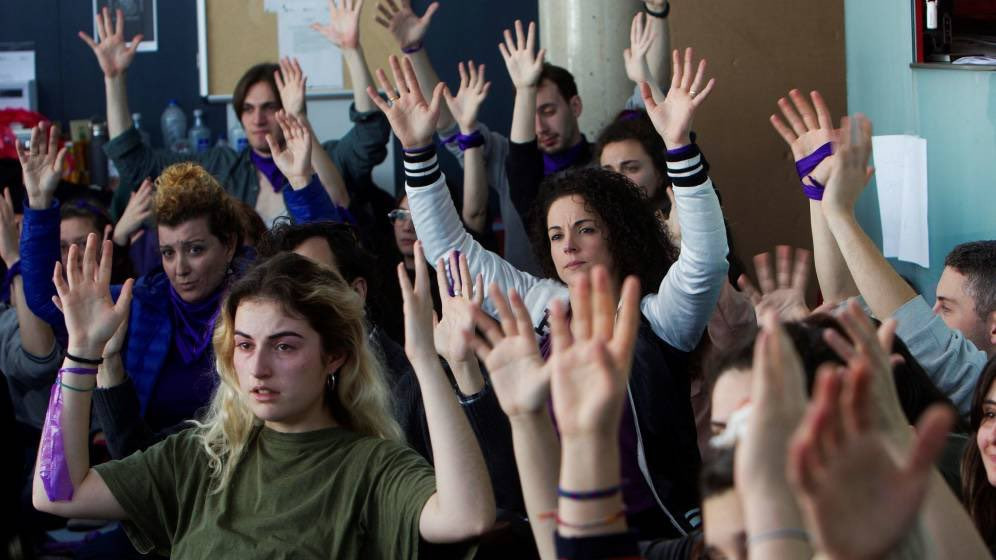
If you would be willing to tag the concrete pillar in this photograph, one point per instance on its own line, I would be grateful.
(588, 37)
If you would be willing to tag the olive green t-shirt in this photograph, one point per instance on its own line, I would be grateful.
(325, 494)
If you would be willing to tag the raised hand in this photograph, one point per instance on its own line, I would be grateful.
(786, 292)
(858, 498)
(92, 317)
(673, 117)
(129, 227)
(114, 54)
(408, 29)
(458, 309)
(641, 38)
(871, 349)
(412, 118)
(524, 65)
(778, 402)
(41, 164)
(419, 342)
(294, 158)
(343, 29)
(291, 85)
(591, 358)
(519, 377)
(849, 172)
(467, 102)
(10, 249)
(810, 126)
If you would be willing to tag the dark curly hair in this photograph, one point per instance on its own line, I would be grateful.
(638, 242)
(636, 125)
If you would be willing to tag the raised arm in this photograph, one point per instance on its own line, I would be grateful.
(524, 67)
(437, 224)
(409, 31)
(139, 209)
(114, 55)
(881, 286)
(642, 39)
(772, 516)
(657, 57)
(685, 300)
(809, 135)
(521, 382)
(292, 85)
(458, 299)
(591, 368)
(463, 505)
(343, 31)
(464, 108)
(66, 486)
(37, 338)
(41, 168)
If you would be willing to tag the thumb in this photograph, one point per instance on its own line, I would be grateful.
(427, 16)
(437, 98)
(274, 149)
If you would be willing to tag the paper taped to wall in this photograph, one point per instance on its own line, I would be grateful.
(901, 178)
(320, 60)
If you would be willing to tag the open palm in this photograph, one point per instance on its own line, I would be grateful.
(41, 163)
(114, 54)
(519, 377)
(343, 29)
(294, 158)
(412, 118)
(809, 127)
(467, 102)
(406, 27)
(523, 64)
(673, 117)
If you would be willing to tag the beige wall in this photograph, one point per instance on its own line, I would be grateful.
(758, 51)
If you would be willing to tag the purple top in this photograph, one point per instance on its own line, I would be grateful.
(193, 323)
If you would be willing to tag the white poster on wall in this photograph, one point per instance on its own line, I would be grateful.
(140, 16)
(320, 60)
(901, 180)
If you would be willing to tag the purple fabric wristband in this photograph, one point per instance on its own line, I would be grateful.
(52, 466)
(806, 165)
(814, 191)
(421, 150)
(467, 141)
(450, 139)
(412, 49)
(686, 150)
(79, 370)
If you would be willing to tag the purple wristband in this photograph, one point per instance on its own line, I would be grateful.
(686, 150)
(412, 48)
(814, 191)
(806, 165)
(79, 370)
(421, 150)
(450, 139)
(467, 141)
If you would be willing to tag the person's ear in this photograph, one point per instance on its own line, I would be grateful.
(576, 106)
(334, 363)
(359, 286)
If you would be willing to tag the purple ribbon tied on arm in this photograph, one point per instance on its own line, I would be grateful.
(52, 466)
(806, 165)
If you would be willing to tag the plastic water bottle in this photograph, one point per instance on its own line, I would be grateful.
(237, 138)
(136, 119)
(200, 135)
(174, 126)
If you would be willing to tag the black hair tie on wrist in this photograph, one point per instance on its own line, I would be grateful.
(667, 10)
(89, 361)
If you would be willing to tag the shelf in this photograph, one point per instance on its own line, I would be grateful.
(950, 66)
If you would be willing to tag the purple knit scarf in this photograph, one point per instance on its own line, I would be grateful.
(269, 168)
(193, 323)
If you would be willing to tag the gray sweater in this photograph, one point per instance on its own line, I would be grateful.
(29, 377)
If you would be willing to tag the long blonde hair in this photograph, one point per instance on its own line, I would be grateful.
(359, 400)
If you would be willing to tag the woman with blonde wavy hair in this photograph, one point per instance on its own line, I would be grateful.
(298, 455)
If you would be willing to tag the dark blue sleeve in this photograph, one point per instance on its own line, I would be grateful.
(313, 204)
(39, 253)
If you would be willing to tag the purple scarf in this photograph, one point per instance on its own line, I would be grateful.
(193, 323)
(552, 163)
(269, 168)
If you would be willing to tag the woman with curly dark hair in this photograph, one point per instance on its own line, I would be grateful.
(978, 468)
(596, 218)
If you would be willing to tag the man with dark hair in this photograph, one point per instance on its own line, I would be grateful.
(966, 293)
(251, 175)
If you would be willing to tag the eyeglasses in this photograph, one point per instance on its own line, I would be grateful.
(399, 215)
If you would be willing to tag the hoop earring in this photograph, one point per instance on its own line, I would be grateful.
(330, 382)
